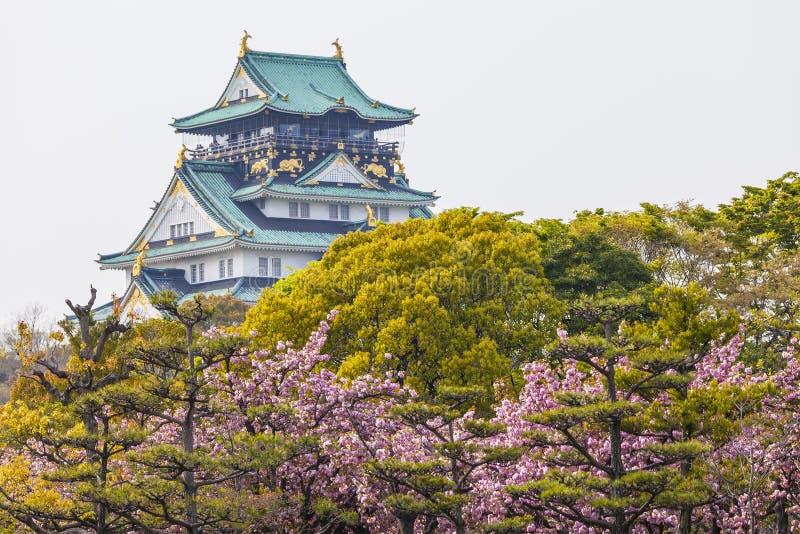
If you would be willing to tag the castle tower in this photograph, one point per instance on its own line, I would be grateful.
(292, 155)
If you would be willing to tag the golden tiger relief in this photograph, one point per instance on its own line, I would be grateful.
(258, 166)
(291, 165)
(378, 170)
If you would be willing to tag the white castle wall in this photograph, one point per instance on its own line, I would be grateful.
(178, 210)
(277, 207)
(245, 263)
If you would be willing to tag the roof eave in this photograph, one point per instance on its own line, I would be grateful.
(403, 120)
(406, 115)
(231, 243)
(278, 194)
(169, 256)
(274, 246)
(179, 128)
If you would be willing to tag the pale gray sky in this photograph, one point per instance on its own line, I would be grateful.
(545, 107)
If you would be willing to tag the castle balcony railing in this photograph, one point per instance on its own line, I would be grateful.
(260, 143)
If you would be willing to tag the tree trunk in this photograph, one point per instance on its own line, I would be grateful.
(685, 519)
(615, 442)
(430, 525)
(781, 516)
(100, 511)
(189, 487)
(407, 524)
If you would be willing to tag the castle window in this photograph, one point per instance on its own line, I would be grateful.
(262, 203)
(299, 209)
(201, 272)
(337, 212)
(383, 213)
(276, 267)
(292, 130)
(193, 271)
(222, 268)
(263, 266)
(181, 229)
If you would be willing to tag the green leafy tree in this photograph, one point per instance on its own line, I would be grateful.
(457, 300)
(685, 317)
(761, 277)
(765, 219)
(679, 244)
(579, 262)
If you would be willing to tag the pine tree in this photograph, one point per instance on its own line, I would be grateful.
(605, 467)
(176, 478)
(61, 440)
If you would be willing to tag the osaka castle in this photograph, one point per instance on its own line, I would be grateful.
(292, 155)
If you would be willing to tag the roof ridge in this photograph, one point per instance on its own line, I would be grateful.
(253, 73)
(323, 93)
(290, 56)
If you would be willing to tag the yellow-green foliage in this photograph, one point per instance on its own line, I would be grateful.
(458, 299)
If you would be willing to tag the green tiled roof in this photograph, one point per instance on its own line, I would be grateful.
(152, 279)
(121, 257)
(214, 115)
(309, 85)
(420, 212)
(209, 183)
(100, 313)
(240, 290)
(247, 293)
